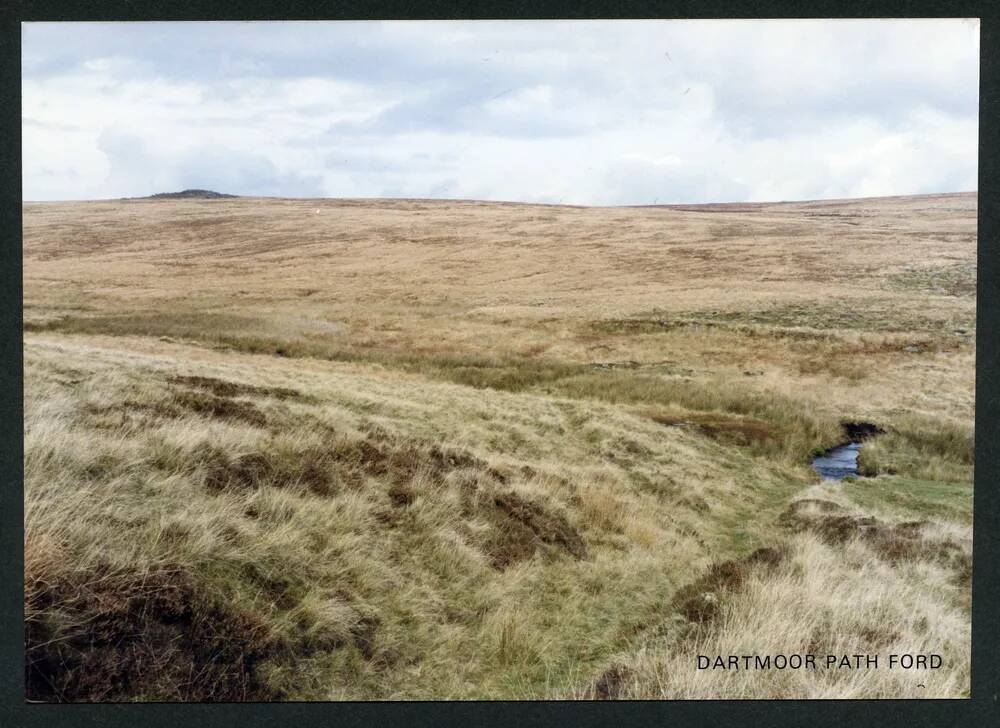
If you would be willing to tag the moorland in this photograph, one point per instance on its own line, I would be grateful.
(424, 449)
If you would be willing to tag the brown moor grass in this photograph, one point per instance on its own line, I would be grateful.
(369, 449)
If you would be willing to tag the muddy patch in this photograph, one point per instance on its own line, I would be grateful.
(406, 463)
(861, 431)
(401, 495)
(522, 527)
(241, 472)
(323, 470)
(222, 388)
(613, 683)
(220, 408)
(313, 470)
(700, 601)
(907, 540)
(129, 412)
(104, 635)
(742, 432)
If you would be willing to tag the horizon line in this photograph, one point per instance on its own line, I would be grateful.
(229, 196)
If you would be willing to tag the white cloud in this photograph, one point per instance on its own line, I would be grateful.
(591, 112)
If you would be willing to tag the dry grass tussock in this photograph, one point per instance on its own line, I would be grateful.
(283, 449)
(816, 600)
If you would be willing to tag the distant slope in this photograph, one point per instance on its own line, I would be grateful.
(191, 195)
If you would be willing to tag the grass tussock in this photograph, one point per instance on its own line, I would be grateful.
(956, 279)
(522, 527)
(908, 540)
(923, 448)
(112, 634)
(820, 600)
(699, 601)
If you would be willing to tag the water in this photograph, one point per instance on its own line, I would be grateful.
(839, 462)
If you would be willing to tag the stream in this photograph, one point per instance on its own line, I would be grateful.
(839, 462)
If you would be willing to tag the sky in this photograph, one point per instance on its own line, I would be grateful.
(572, 112)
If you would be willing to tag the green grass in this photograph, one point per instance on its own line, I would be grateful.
(923, 448)
(826, 319)
(911, 498)
(861, 315)
(799, 432)
(957, 279)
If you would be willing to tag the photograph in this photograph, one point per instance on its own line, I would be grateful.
(499, 360)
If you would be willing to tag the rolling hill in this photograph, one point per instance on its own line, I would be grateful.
(418, 449)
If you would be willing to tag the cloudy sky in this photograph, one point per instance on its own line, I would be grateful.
(588, 112)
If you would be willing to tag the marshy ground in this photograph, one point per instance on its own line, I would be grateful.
(329, 449)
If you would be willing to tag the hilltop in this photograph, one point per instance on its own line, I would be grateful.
(191, 195)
